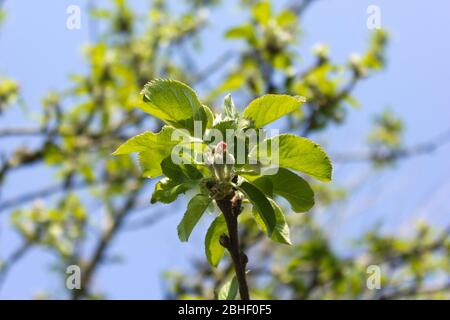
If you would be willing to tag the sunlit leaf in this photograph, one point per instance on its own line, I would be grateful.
(153, 148)
(229, 290)
(148, 141)
(262, 12)
(196, 207)
(173, 102)
(179, 179)
(270, 107)
(228, 107)
(261, 204)
(214, 250)
(299, 154)
(244, 31)
(290, 186)
(281, 232)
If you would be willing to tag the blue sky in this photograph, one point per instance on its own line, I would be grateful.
(38, 50)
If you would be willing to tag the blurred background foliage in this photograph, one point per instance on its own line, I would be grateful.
(80, 127)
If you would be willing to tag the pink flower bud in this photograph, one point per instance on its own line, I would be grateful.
(221, 147)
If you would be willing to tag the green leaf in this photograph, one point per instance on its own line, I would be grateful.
(196, 208)
(213, 248)
(262, 12)
(290, 186)
(153, 148)
(167, 190)
(233, 81)
(287, 18)
(270, 107)
(228, 107)
(264, 184)
(180, 172)
(201, 116)
(150, 162)
(2, 15)
(261, 203)
(223, 126)
(281, 232)
(147, 140)
(299, 154)
(179, 179)
(173, 102)
(209, 116)
(229, 290)
(244, 31)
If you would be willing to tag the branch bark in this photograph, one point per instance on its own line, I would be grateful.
(102, 246)
(231, 208)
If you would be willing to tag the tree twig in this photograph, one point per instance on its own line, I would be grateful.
(43, 193)
(231, 208)
(215, 66)
(13, 259)
(395, 154)
(13, 132)
(103, 244)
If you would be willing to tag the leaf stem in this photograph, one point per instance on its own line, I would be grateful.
(231, 208)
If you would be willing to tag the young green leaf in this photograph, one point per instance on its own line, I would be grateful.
(196, 208)
(153, 148)
(229, 290)
(180, 172)
(270, 107)
(147, 141)
(299, 154)
(209, 116)
(262, 12)
(290, 186)
(179, 179)
(170, 100)
(167, 190)
(202, 115)
(261, 204)
(223, 126)
(281, 232)
(228, 107)
(245, 31)
(264, 183)
(173, 102)
(214, 250)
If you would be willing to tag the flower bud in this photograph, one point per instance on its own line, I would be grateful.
(220, 161)
(221, 147)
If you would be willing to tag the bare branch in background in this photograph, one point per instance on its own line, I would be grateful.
(90, 267)
(17, 132)
(43, 193)
(300, 6)
(424, 148)
(12, 260)
(147, 221)
(214, 67)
